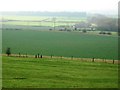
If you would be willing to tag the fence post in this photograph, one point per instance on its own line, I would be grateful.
(51, 56)
(38, 55)
(41, 56)
(113, 61)
(93, 59)
(35, 56)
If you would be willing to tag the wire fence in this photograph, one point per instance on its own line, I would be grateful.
(40, 56)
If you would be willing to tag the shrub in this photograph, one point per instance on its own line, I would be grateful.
(8, 51)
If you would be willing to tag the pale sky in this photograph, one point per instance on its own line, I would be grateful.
(58, 5)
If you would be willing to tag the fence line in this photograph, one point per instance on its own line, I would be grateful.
(38, 56)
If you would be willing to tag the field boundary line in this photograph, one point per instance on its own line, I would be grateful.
(68, 58)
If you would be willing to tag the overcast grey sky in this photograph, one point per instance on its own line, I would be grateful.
(59, 5)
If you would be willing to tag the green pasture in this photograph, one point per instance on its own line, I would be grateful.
(57, 73)
(67, 44)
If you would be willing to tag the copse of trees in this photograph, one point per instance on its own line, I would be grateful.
(99, 22)
(104, 23)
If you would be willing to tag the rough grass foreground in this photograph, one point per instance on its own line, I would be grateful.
(57, 73)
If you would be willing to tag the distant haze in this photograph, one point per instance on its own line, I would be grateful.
(103, 6)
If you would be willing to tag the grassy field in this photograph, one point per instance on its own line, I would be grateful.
(57, 73)
(65, 44)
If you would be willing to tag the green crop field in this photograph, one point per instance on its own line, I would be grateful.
(57, 73)
(65, 44)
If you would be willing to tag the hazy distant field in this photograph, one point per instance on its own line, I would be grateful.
(66, 44)
(44, 17)
(57, 73)
(41, 20)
